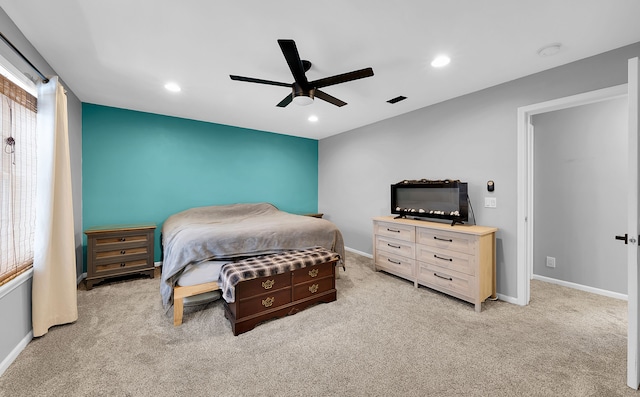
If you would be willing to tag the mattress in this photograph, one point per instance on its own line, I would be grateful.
(200, 273)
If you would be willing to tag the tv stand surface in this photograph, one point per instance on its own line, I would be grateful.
(458, 260)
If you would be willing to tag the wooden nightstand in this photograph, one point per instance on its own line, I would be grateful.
(119, 250)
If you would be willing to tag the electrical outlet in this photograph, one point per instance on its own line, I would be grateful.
(551, 261)
(490, 202)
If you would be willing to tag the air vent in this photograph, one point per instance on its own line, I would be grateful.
(397, 99)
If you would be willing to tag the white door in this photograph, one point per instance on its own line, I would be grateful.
(633, 338)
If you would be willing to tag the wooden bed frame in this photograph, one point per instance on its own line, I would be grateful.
(179, 293)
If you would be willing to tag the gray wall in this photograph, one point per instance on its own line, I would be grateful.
(16, 306)
(472, 138)
(580, 194)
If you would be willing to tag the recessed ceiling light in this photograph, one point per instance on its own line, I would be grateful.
(173, 87)
(549, 50)
(313, 118)
(440, 61)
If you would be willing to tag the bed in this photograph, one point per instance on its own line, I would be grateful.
(209, 237)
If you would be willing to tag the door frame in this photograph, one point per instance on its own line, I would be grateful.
(524, 224)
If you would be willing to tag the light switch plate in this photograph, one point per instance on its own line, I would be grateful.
(490, 202)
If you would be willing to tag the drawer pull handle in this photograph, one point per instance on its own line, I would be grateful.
(123, 264)
(123, 252)
(445, 278)
(313, 289)
(393, 230)
(394, 262)
(123, 239)
(313, 272)
(268, 302)
(268, 284)
(393, 246)
(444, 259)
(443, 239)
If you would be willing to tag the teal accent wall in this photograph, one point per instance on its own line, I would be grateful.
(140, 167)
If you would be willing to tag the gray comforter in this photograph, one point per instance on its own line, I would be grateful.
(235, 231)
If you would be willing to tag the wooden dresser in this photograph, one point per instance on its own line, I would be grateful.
(457, 260)
(269, 297)
(119, 250)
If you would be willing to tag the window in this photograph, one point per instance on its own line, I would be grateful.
(18, 186)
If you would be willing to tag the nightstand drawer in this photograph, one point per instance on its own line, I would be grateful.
(122, 239)
(120, 253)
(120, 266)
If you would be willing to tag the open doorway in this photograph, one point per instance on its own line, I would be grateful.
(580, 196)
(525, 138)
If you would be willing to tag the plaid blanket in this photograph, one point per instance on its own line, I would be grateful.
(269, 265)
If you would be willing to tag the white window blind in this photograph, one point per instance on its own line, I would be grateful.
(18, 187)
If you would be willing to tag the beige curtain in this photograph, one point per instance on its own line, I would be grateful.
(54, 295)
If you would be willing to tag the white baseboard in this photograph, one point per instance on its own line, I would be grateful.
(581, 287)
(157, 264)
(507, 298)
(358, 252)
(81, 277)
(15, 352)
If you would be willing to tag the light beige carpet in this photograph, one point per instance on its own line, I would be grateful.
(382, 337)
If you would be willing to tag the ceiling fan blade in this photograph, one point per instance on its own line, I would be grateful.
(287, 100)
(260, 81)
(342, 78)
(331, 99)
(290, 52)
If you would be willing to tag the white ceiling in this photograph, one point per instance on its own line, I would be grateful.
(121, 52)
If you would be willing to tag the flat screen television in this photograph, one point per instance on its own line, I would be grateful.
(438, 199)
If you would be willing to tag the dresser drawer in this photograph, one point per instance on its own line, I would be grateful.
(262, 285)
(315, 287)
(395, 231)
(395, 247)
(447, 280)
(446, 240)
(458, 261)
(313, 272)
(395, 264)
(260, 303)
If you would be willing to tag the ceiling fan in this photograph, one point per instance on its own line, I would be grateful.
(302, 90)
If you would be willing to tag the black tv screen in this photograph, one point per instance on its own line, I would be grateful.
(441, 199)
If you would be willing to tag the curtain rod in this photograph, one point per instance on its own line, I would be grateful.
(42, 76)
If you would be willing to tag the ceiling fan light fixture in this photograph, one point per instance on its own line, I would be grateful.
(303, 97)
(302, 100)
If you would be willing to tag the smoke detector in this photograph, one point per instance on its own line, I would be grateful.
(550, 50)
